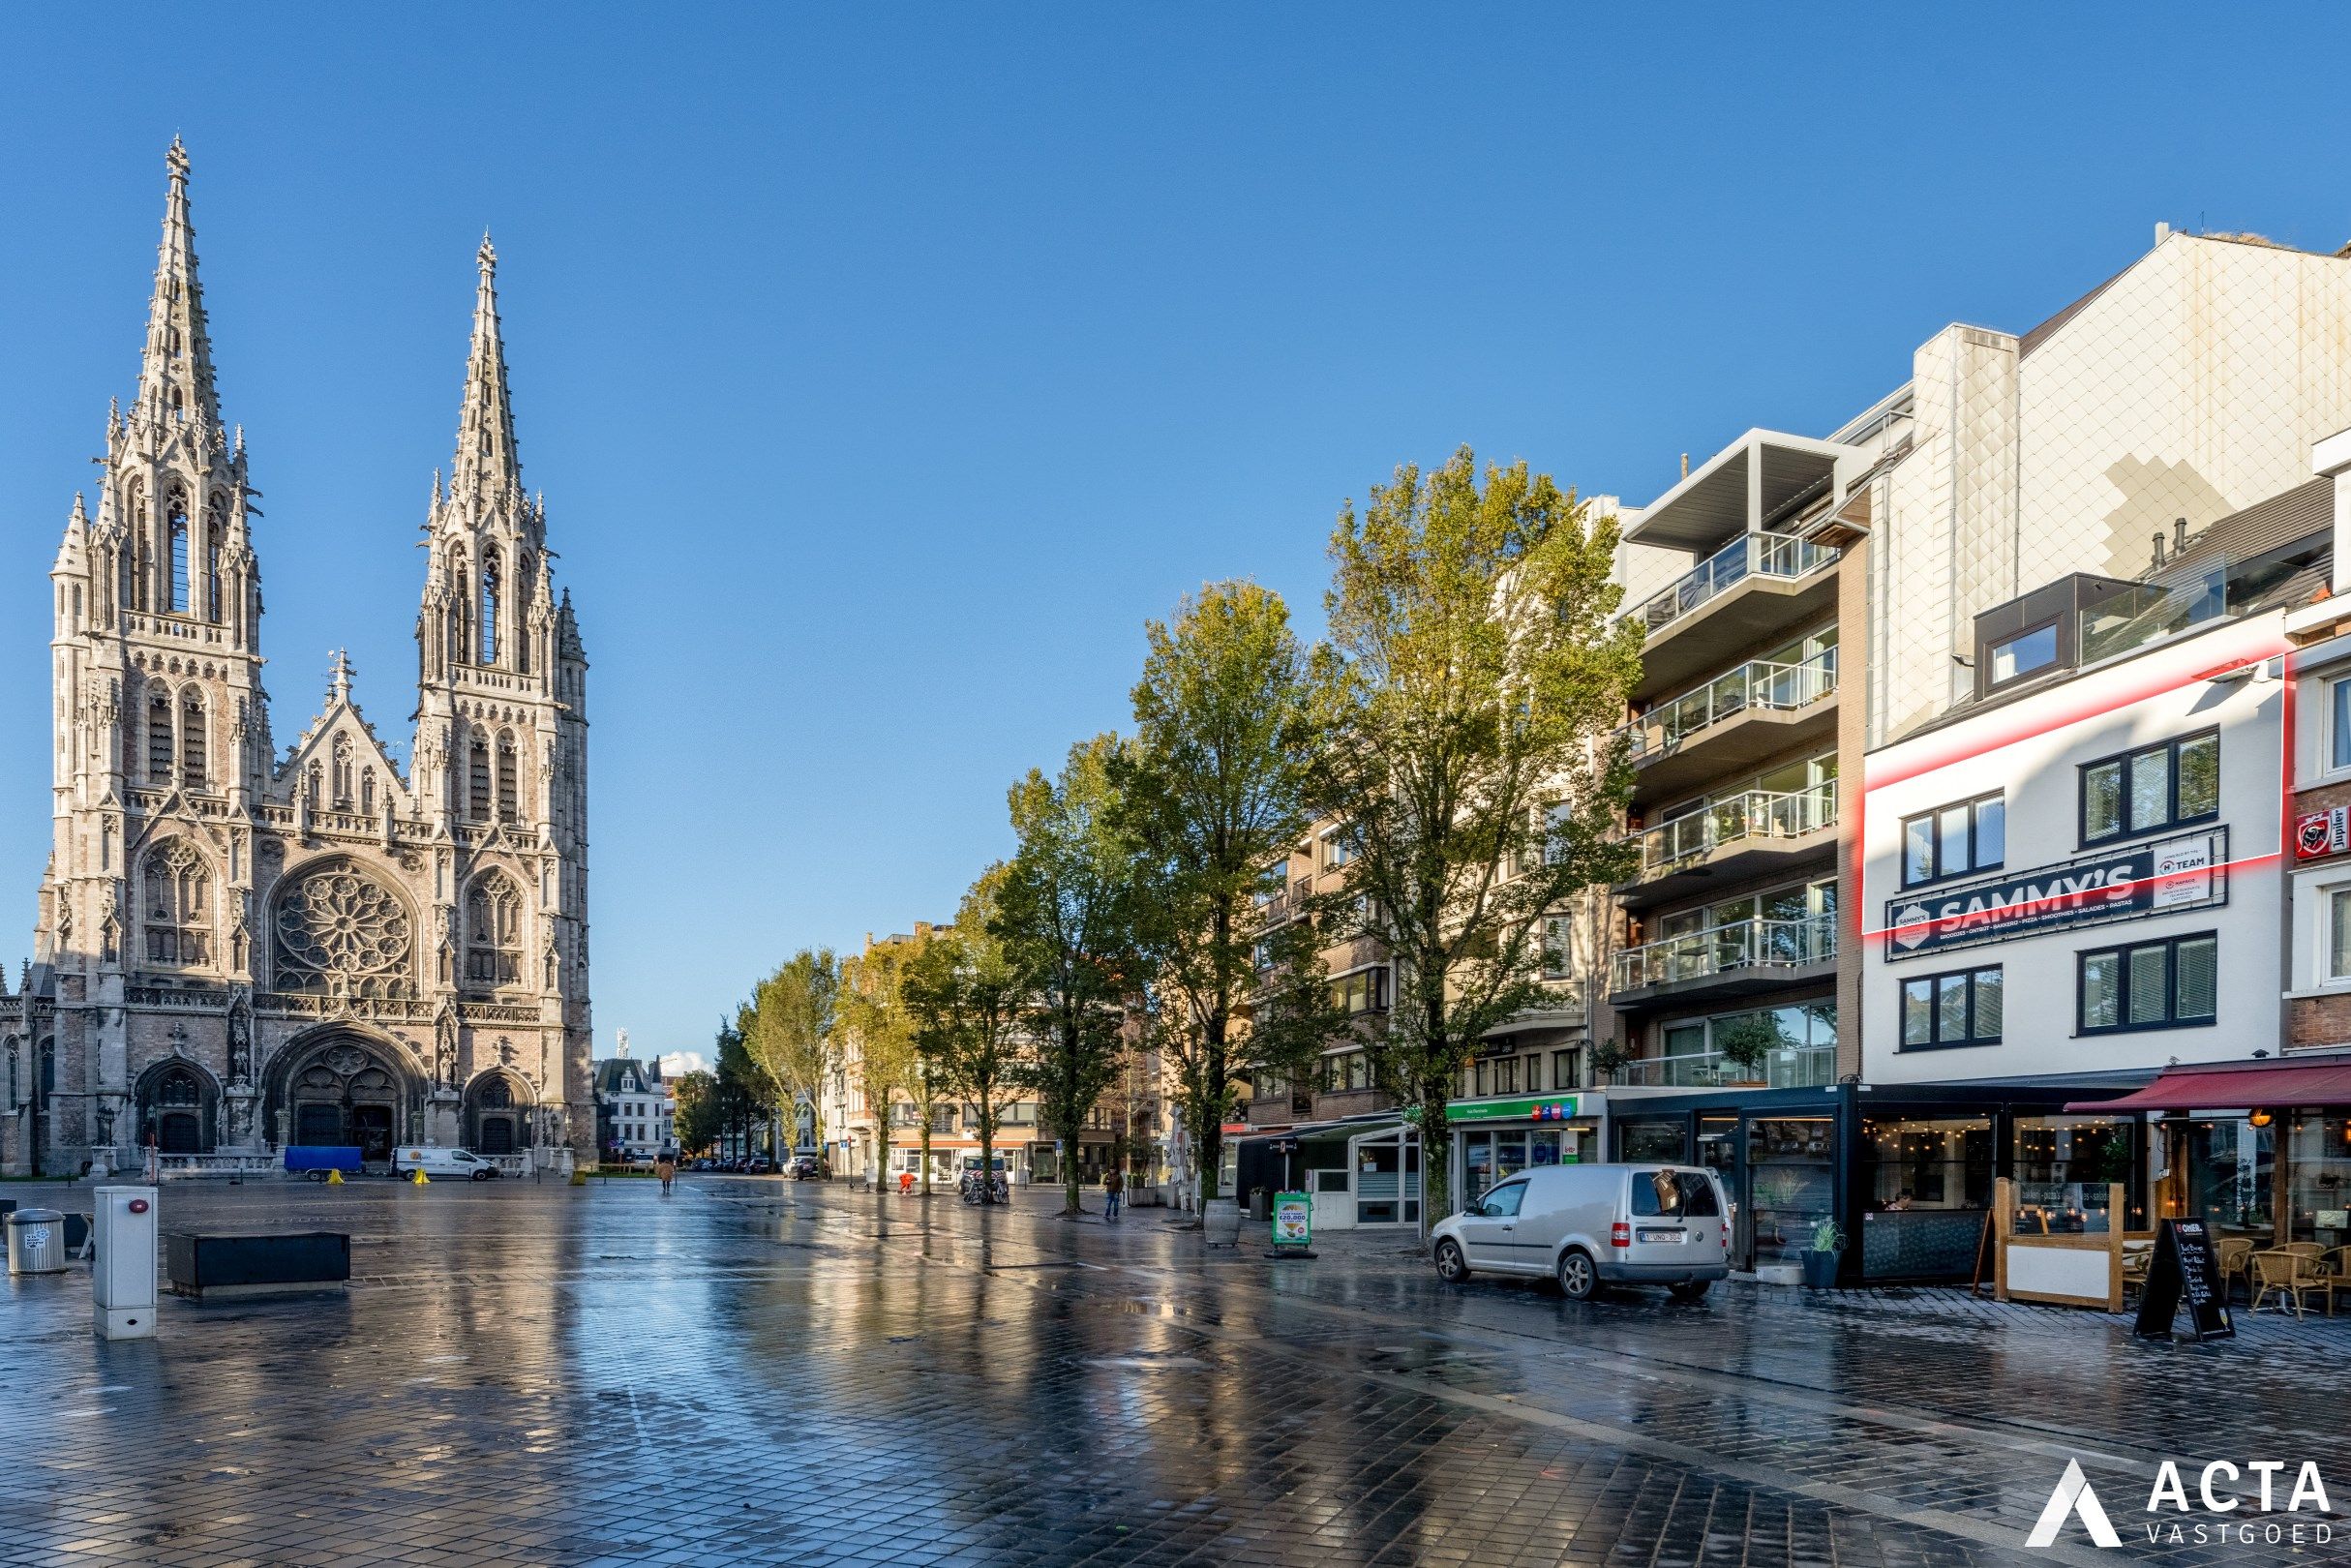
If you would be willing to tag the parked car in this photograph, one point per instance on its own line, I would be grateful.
(805, 1167)
(757, 1165)
(441, 1162)
(1591, 1226)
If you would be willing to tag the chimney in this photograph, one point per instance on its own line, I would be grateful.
(2157, 564)
(2162, 232)
(2179, 535)
(2330, 459)
(1685, 465)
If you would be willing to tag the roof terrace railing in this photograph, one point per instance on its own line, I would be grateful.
(1781, 556)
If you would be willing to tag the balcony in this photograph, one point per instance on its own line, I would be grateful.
(1790, 1067)
(1723, 961)
(1561, 1007)
(1744, 834)
(1758, 584)
(1732, 722)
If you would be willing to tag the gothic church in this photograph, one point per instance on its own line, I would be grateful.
(237, 949)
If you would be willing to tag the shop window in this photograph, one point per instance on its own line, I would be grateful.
(1955, 840)
(2152, 789)
(1927, 1162)
(1962, 1007)
(2318, 1179)
(2165, 984)
(2231, 1171)
(1792, 1177)
(1663, 1141)
(2063, 1165)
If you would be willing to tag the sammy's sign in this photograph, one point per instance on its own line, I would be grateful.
(2146, 879)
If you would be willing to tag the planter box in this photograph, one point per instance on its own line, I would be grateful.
(1821, 1270)
(209, 1268)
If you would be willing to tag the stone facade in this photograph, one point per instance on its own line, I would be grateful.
(237, 949)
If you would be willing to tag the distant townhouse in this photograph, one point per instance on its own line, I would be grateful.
(636, 1110)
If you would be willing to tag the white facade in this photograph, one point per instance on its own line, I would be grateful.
(2201, 871)
(636, 1108)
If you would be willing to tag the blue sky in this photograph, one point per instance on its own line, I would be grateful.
(885, 366)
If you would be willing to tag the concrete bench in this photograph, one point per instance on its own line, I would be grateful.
(212, 1268)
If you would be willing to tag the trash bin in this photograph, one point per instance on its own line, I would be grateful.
(1260, 1204)
(36, 1242)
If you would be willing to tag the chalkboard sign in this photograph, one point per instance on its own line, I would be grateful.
(2185, 1268)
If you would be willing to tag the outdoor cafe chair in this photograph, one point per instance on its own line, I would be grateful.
(2292, 1275)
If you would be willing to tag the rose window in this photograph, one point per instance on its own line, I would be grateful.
(341, 934)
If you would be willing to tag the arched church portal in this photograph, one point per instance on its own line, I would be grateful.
(347, 1090)
(498, 1114)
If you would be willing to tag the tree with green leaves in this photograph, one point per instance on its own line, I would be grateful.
(1065, 916)
(1467, 693)
(964, 997)
(696, 1125)
(788, 1029)
(744, 1094)
(872, 1011)
(1214, 792)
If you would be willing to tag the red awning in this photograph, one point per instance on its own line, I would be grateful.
(2250, 1084)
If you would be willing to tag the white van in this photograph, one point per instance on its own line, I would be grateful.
(1589, 1225)
(439, 1162)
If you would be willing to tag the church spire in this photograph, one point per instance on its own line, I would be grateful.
(175, 368)
(487, 469)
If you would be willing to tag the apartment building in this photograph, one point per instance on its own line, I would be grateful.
(1808, 599)
(1129, 1126)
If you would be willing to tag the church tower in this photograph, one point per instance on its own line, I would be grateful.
(237, 951)
(501, 726)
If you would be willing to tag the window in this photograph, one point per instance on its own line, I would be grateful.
(177, 905)
(489, 598)
(2164, 984)
(176, 522)
(494, 943)
(159, 739)
(1502, 1203)
(2024, 653)
(460, 620)
(1955, 840)
(1506, 1075)
(477, 781)
(1565, 1071)
(1959, 1008)
(2152, 789)
(191, 740)
(140, 563)
(2338, 710)
(2339, 933)
(1351, 1069)
(1364, 991)
(213, 530)
(1335, 851)
(1558, 948)
(523, 577)
(1674, 1195)
(367, 791)
(506, 787)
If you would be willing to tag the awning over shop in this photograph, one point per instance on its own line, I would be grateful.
(2244, 1083)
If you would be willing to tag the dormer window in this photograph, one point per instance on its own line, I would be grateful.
(2027, 653)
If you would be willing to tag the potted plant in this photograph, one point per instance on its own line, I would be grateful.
(1821, 1257)
(1745, 1043)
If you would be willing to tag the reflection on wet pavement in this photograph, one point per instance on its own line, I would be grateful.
(753, 1371)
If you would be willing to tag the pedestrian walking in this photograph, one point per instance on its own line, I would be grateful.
(1114, 1191)
(665, 1166)
(906, 1183)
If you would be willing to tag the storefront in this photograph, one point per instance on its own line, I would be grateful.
(1494, 1139)
(1362, 1171)
(1904, 1171)
(2259, 1150)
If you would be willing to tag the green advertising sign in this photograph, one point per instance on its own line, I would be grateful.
(1541, 1109)
(1293, 1218)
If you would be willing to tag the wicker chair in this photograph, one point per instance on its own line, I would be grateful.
(2292, 1275)
(2234, 1254)
(2336, 1274)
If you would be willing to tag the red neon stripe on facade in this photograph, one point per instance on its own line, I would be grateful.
(2060, 900)
(2226, 650)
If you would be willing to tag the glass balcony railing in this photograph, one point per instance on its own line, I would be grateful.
(1761, 684)
(1752, 816)
(1788, 1067)
(1751, 555)
(1722, 950)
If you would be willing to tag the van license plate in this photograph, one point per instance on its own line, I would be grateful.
(1660, 1235)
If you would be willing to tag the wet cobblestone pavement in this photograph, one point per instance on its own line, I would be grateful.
(761, 1372)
